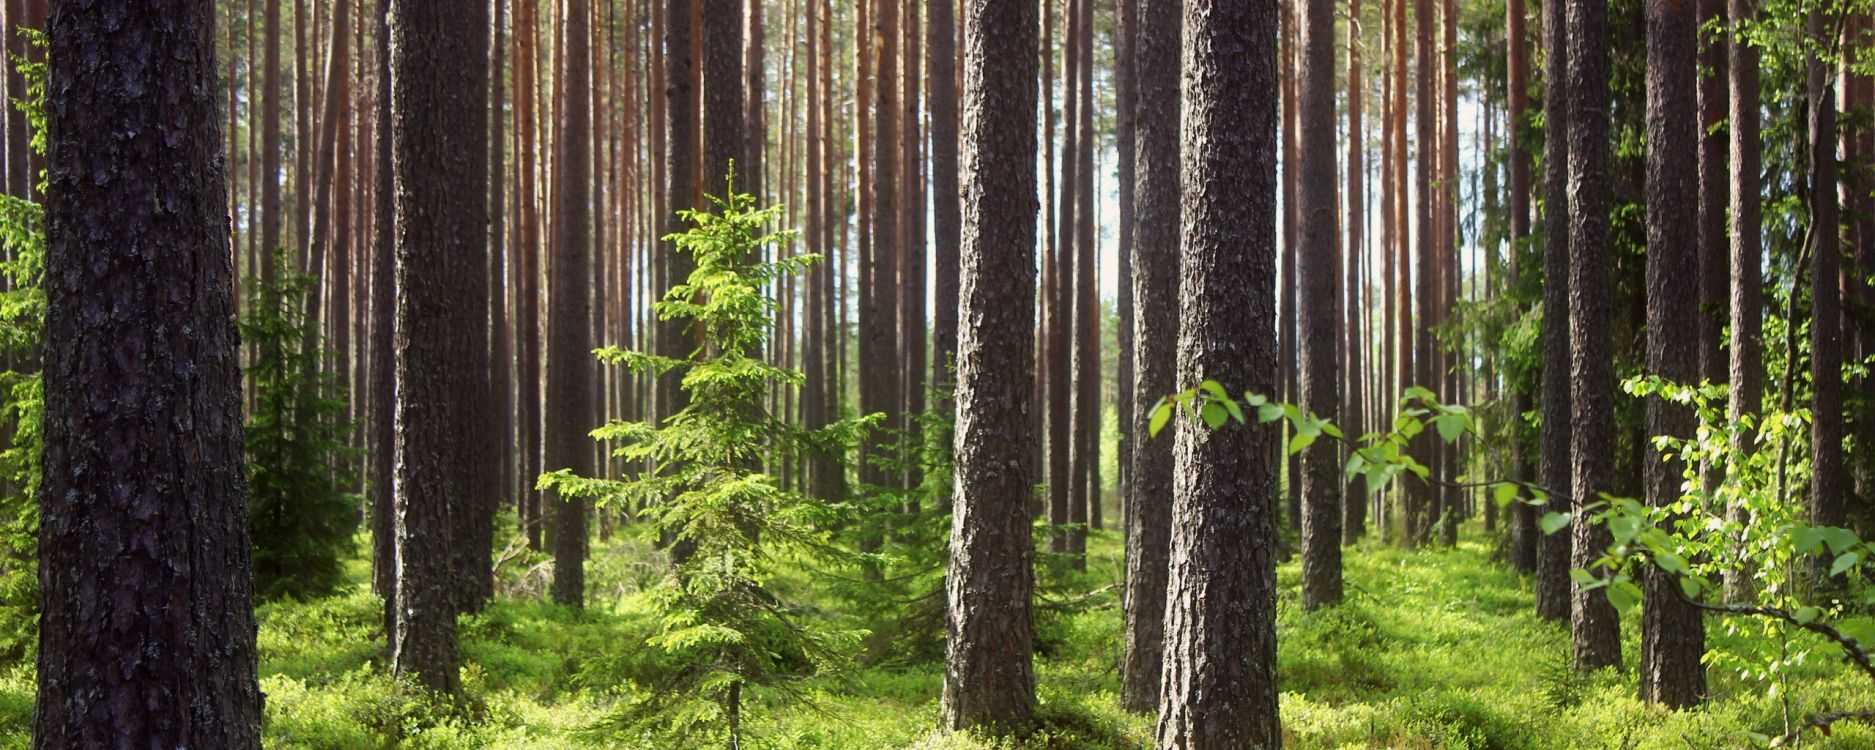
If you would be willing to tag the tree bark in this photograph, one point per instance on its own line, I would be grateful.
(1155, 333)
(1593, 625)
(569, 381)
(1523, 527)
(946, 211)
(1220, 688)
(1553, 550)
(1354, 505)
(1747, 344)
(989, 680)
(1673, 637)
(1828, 484)
(380, 457)
(1319, 275)
(147, 626)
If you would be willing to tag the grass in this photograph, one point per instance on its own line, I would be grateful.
(1433, 649)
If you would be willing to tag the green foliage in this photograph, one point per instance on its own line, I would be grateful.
(300, 516)
(697, 478)
(22, 322)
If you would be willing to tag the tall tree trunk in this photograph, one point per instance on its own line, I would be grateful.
(1155, 293)
(989, 679)
(1059, 319)
(1422, 498)
(1593, 625)
(1673, 638)
(1286, 297)
(1523, 527)
(325, 164)
(1554, 550)
(569, 319)
(146, 625)
(1220, 684)
(946, 211)
(502, 412)
(437, 132)
(381, 455)
(878, 356)
(528, 281)
(912, 318)
(1712, 262)
(754, 89)
(1087, 382)
(1354, 505)
(1319, 273)
(1828, 484)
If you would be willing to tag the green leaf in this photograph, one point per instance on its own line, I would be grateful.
(1690, 587)
(1161, 414)
(1806, 615)
(1623, 596)
(1504, 493)
(1213, 415)
(1670, 562)
(1582, 576)
(1236, 412)
(1451, 427)
(1301, 441)
(1212, 387)
(1839, 539)
(1268, 412)
(1844, 562)
(1553, 522)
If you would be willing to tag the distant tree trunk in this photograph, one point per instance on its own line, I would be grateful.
(1452, 391)
(946, 211)
(1712, 261)
(1402, 302)
(1087, 380)
(1286, 296)
(501, 442)
(1319, 270)
(380, 457)
(1155, 333)
(1828, 507)
(754, 89)
(1059, 319)
(1673, 638)
(568, 409)
(528, 281)
(324, 165)
(1354, 503)
(1747, 343)
(911, 286)
(1523, 528)
(1553, 551)
(1593, 626)
(1856, 92)
(1126, 146)
(18, 177)
(682, 153)
(1422, 499)
(878, 318)
(437, 130)
(1220, 684)
(147, 628)
(989, 680)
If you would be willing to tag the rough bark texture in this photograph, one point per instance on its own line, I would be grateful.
(1673, 638)
(682, 154)
(1553, 550)
(1126, 145)
(439, 80)
(988, 676)
(1087, 385)
(1747, 344)
(1593, 625)
(146, 602)
(879, 375)
(1220, 686)
(1712, 261)
(1318, 264)
(1354, 505)
(1422, 498)
(1155, 331)
(569, 381)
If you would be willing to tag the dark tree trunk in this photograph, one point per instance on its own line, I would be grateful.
(569, 383)
(500, 442)
(755, 84)
(1422, 498)
(1220, 688)
(912, 317)
(380, 457)
(725, 123)
(273, 90)
(1673, 638)
(1126, 144)
(439, 79)
(1087, 307)
(1593, 625)
(1712, 263)
(878, 318)
(1553, 550)
(946, 211)
(1155, 331)
(1746, 395)
(1828, 506)
(1319, 275)
(1059, 320)
(147, 624)
(528, 281)
(682, 154)
(988, 676)
(1286, 296)
(1523, 527)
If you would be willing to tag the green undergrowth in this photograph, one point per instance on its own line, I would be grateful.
(1433, 649)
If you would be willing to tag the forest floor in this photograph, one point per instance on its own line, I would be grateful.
(1434, 649)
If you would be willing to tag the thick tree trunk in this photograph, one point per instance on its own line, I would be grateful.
(438, 88)
(1673, 638)
(569, 381)
(988, 676)
(1319, 275)
(147, 625)
(1220, 684)
(946, 211)
(1593, 625)
(1155, 331)
(912, 318)
(1828, 485)
(878, 318)
(1553, 550)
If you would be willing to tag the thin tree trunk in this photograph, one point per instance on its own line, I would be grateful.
(1523, 527)
(1318, 269)
(1554, 550)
